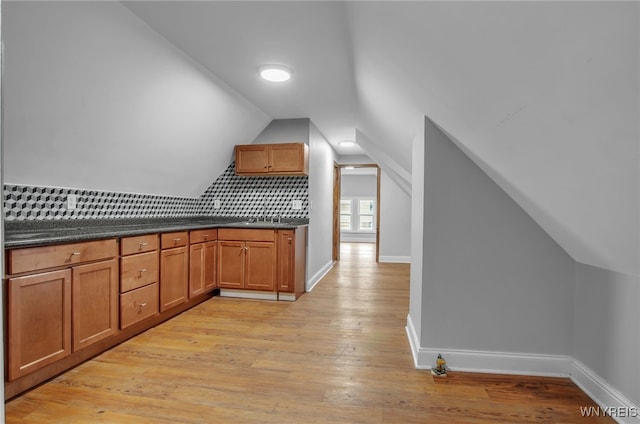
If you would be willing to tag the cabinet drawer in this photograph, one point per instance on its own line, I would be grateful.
(37, 258)
(138, 244)
(169, 240)
(200, 236)
(138, 270)
(138, 304)
(249, 234)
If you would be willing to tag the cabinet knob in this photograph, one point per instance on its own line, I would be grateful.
(141, 305)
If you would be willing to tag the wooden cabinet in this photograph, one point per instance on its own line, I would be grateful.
(174, 269)
(94, 302)
(38, 321)
(203, 253)
(247, 259)
(56, 304)
(139, 277)
(272, 159)
(291, 274)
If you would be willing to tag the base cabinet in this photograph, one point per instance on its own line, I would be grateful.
(203, 257)
(247, 259)
(174, 270)
(292, 252)
(39, 324)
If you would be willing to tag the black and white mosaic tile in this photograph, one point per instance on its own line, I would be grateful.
(50, 203)
(237, 196)
(256, 196)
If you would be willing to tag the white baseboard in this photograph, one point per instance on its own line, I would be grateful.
(602, 393)
(395, 259)
(249, 294)
(315, 279)
(487, 361)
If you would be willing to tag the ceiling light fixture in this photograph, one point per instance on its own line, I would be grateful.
(347, 143)
(275, 73)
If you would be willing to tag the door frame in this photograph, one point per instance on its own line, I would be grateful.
(337, 179)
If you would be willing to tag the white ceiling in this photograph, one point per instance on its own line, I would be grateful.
(543, 95)
(232, 39)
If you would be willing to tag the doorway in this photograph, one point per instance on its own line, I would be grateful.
(356, 205)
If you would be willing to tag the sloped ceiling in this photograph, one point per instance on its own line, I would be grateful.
(542, 95)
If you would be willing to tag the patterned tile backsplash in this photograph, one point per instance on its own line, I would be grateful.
(238, 196)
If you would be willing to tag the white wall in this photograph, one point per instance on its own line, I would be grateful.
(321, 160)
(395, 221)
(284, 131)
(493, 280)
(96, 99)
(606, 327)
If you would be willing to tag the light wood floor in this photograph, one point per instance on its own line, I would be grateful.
(337, 355)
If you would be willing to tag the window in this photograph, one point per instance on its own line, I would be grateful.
(357, 215)
(345, 215)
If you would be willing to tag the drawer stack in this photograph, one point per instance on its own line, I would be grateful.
(138, 279)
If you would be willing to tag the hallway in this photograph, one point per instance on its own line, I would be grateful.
(337, 355)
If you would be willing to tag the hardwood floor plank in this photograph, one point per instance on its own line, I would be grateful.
(337, 355)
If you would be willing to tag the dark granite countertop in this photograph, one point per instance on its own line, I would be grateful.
(42, 233)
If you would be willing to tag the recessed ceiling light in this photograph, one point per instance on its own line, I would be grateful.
(275, 73)
(347, 143)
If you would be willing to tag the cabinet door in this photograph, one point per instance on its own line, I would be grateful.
(196, 269)
(286, 251)
(252, 159)
(286, 158)
(174, 277)
(38, 321)
(94, 302)
(231, 264)
(210, 265)
(260, 266)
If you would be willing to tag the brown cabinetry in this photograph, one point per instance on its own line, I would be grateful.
(58, 305)
(39, 321)
(272, 159)
(94, 302)
(291, 263)
(174, 269)
(203, 253)
(139, 276)
(247, 259)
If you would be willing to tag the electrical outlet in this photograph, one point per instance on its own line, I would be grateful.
(216, 204)
(72, 201)
(296, 205)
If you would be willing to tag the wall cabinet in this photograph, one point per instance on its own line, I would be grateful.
(139, 277)
(291, 277)
(247, 259)
(272, 159)
(174, 269)
(203, 253)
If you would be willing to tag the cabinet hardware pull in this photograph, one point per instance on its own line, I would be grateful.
(205, 236)
(265, 166)
(75, 253)
(177, 239)
(142, 305)
(143, 270)
(143, 245)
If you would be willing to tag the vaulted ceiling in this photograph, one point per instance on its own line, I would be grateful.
(542, 95)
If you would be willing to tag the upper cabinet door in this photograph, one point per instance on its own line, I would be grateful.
(272, 159)
(288, 158)
(252, 159)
